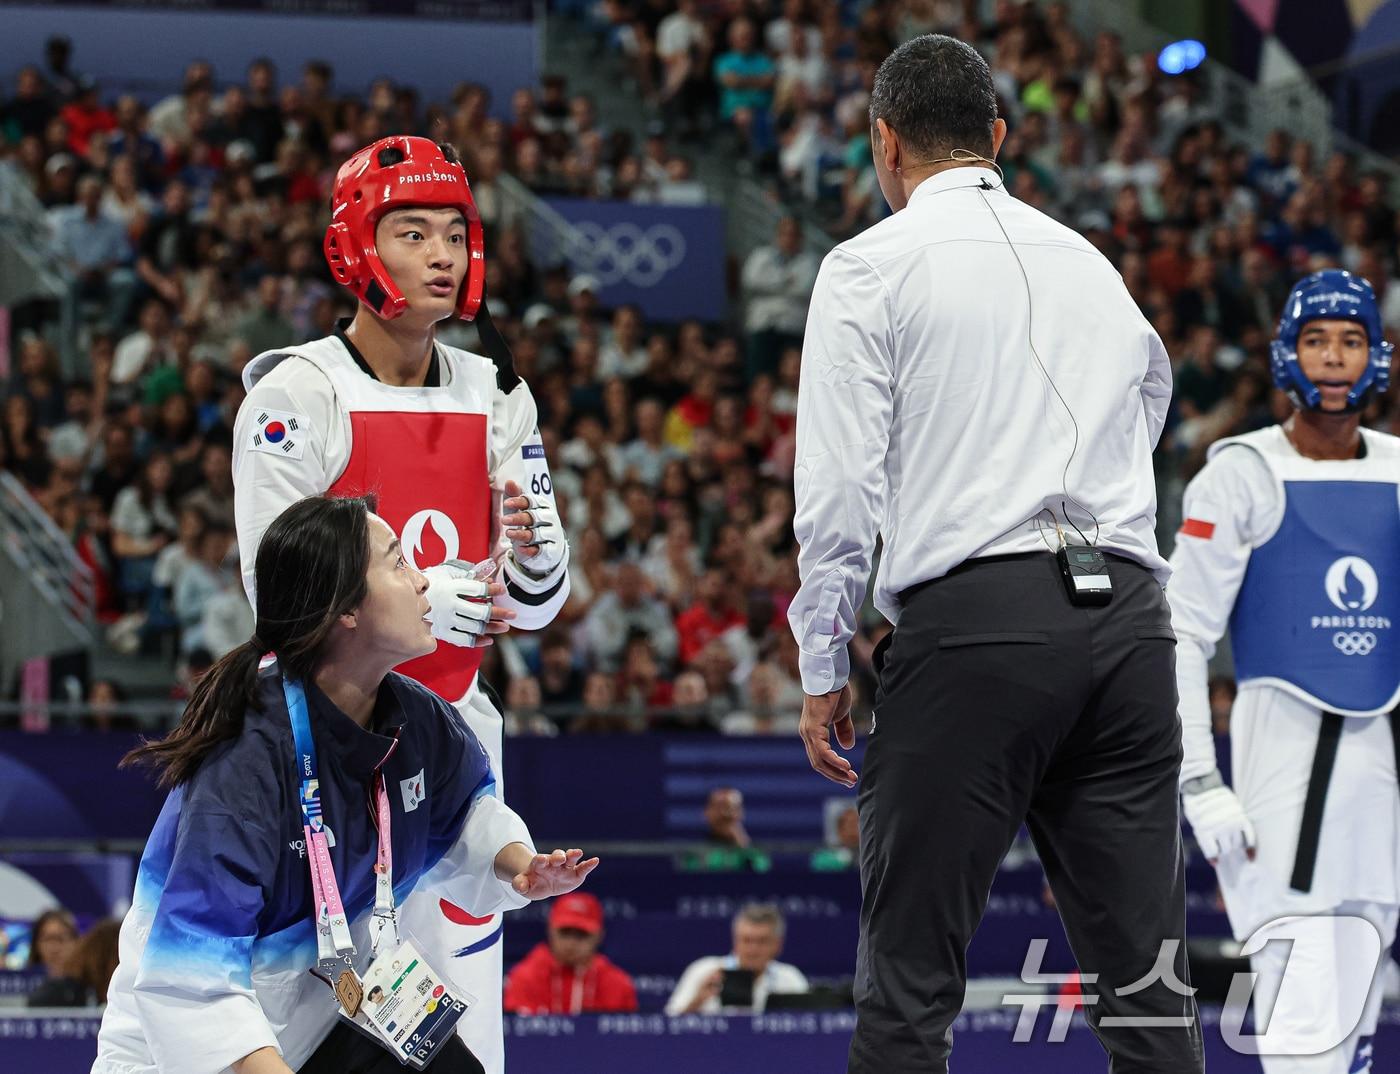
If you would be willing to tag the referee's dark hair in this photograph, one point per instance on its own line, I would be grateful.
(936, 93)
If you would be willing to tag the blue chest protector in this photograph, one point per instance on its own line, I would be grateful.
(1316, 613)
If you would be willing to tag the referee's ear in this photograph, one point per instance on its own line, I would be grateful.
(886, 146)
(998, 135)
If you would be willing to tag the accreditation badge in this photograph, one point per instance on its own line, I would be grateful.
(407, 1006)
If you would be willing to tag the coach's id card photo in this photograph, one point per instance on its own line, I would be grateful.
(409, 1007)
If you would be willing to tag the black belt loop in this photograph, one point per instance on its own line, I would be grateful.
(1329, 737)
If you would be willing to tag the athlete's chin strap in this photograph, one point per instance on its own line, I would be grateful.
(497, 349)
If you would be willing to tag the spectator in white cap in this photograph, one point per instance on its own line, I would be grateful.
(58, 187)
(584, 283)
(537, 313)
(583, 306)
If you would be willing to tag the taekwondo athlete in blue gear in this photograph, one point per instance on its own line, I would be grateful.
(1292, 539)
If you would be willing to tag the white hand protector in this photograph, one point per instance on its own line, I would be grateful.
(461, 605)
(543, 529)
(543, 532)
(1217, 819)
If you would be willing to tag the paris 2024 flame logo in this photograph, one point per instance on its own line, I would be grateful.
(429, 538)
(1352, 584)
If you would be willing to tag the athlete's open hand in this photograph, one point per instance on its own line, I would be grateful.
(532, 524)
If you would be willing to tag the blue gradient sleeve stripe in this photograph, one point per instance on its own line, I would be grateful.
(156, 858)
(196, 961)
(210, 898)
(293, 949)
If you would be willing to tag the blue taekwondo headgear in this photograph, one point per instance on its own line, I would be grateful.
(1332, 293)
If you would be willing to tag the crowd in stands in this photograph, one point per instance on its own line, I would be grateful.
(1209, 234)
(566, 973)
(192, 228)
(72, 968)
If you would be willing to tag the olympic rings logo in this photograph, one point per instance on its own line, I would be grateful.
(624, 253)
(1354, 643)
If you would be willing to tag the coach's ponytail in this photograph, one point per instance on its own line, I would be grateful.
(311, 569)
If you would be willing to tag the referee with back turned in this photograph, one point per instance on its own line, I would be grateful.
(979, 388)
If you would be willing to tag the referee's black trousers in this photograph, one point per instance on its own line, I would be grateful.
(1001, 703)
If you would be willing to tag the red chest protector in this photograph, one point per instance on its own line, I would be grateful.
(423, 453)
(418, 466)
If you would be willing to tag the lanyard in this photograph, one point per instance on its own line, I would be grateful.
(333, 942)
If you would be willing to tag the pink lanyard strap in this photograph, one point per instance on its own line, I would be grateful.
(383, 869)
(333, 940)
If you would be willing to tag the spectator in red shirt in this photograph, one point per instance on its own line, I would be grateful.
(566, 974)
(709, 617)
(85, 117)
(640, 684)
(1169, 266)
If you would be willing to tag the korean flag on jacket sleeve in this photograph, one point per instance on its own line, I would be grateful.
(279, 432)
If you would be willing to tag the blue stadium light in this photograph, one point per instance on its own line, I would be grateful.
(1181, 56)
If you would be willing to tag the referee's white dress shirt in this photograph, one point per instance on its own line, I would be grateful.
(923, 413)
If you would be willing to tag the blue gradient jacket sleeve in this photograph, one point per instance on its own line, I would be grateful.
(195, 974)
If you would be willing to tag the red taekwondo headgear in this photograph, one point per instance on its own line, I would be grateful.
(395, 173)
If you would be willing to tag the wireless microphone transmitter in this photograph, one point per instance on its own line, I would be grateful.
(1085, 572)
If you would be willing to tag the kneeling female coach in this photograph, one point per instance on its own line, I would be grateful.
(308, 799)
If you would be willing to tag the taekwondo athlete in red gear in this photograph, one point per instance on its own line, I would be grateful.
(1292, 539)
(446, 439)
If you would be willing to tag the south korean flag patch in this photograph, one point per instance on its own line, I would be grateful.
(279, 432)
(413, 792)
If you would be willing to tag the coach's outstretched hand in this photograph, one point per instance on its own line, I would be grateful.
(820, 714)
(542, 876)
